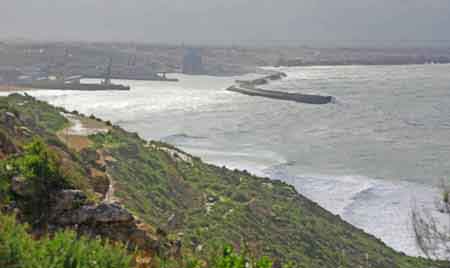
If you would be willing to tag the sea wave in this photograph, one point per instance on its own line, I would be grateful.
(380, 207)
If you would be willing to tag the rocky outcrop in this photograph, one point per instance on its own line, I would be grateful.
(97, 214)
(68, 200)
(71, 209)
(9, 118)
(7, 147)
(130, 233)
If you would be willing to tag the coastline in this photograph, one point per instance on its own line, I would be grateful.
(319, 132)
(265, 205)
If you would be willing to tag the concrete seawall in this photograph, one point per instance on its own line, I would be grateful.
(302, 98)
(249, 88)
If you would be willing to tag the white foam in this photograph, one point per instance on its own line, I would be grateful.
(380, 207)
(255, 161)
(145, 97)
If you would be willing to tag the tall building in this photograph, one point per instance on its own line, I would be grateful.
(192, 62)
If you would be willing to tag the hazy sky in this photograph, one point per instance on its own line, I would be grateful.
(226, 21)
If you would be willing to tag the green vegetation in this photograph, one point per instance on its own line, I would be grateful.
(64, 250)
(5, 193)
(211, 206)
(230, 259)
(225, 257)
(37, 173)
(41, 167)
(46, 117)
(67, 250)
(39, 170)
(200, 204)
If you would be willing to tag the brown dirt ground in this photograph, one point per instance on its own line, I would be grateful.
(80, 142)
(75, 142)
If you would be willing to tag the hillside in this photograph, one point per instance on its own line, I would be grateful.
(172, 196)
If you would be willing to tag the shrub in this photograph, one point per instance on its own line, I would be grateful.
(39, 163)
(41, 169)
(65, 250)
(240, 197)
(231, 259)
(14, 243)
(225, 258)
(5, 176)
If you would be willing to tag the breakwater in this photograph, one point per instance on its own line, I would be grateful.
(262, 80)
(248, 87)
(303, 98)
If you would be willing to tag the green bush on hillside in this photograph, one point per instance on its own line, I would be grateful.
(4, 183)
(39, 164)
(64, 250)
(225, 258)
(41, 170)
(231, 259)
(67, 250)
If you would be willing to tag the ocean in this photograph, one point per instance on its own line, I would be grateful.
(380, 149)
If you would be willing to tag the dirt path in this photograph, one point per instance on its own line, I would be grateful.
(109, 196)
(75, 136)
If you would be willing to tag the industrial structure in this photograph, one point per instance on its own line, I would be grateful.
(192, 62)
(53, 76)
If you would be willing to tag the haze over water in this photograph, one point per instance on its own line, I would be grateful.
(367, 157)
